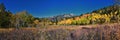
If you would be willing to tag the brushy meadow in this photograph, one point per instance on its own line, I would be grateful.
(98, 32)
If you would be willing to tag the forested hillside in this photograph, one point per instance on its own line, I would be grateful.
(110, 14)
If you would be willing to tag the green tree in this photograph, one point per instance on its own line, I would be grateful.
(2, 7)
(23, 19)
(5, 17)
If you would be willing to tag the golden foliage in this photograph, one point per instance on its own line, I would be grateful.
(36, 21)
(68, 21)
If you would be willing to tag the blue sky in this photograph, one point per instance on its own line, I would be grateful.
(46, 8)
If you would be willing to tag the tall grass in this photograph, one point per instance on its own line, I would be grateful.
(98, 32)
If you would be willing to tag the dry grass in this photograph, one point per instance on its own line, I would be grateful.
(56, 32)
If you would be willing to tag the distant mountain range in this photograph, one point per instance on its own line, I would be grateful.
(63, 16)
(60, 17)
